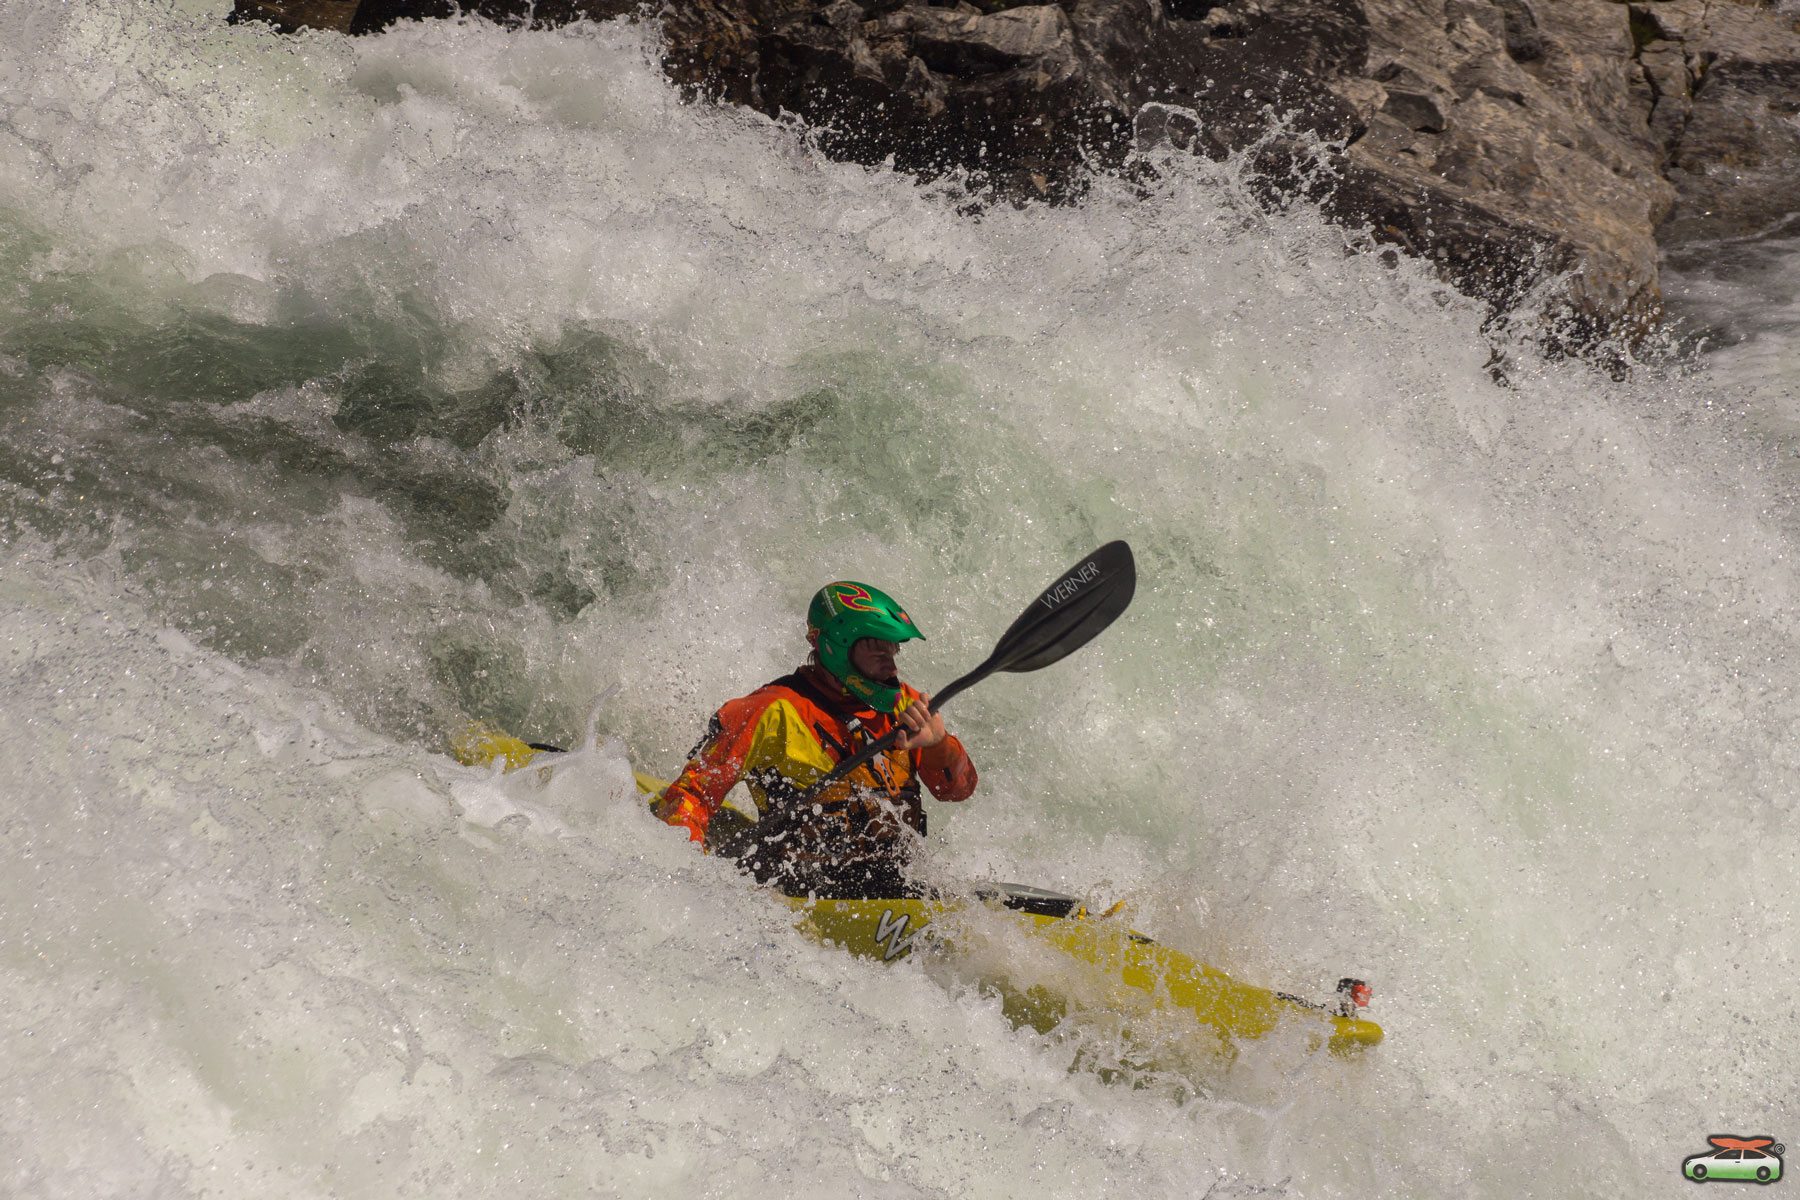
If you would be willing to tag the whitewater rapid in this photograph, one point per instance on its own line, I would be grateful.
(353, 390)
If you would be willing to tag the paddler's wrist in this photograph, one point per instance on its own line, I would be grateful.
(674, 808)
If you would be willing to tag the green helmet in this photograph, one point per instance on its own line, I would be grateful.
(844, 612)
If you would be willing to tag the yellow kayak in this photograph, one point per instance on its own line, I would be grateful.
(1100, 964)
(1091, 963)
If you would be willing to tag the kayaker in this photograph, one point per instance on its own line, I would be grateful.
(853, 839)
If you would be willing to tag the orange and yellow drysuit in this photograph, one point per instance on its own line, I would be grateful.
(852, 838)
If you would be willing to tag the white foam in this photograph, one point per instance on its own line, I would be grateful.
(1483, 693)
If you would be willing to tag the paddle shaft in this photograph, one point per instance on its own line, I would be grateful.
(887, 740)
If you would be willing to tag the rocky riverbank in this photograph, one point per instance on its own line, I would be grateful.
(1507, 140)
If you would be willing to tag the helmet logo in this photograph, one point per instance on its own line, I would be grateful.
(853, 597)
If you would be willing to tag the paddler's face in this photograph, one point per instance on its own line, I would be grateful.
(874, 658)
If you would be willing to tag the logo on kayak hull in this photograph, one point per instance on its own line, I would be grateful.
(891, 935)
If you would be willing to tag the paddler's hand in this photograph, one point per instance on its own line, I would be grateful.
(924, 728)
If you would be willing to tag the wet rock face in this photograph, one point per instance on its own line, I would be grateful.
(1725, 89)
(1027, 96)
(1502, 138)
(1520, 117)
(940, 88)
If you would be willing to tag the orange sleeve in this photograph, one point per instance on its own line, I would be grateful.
(713, 767)
(947, 770)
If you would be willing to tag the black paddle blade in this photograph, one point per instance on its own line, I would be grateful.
(1071, 612)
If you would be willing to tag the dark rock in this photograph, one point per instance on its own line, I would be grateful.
(1190, 10)
(1671, 96)
(290, 16)
(1483, 13)
(1733, 147)
(1414, 100)
(938, 89)
(375, 15)
(1519, 24)
(1416, 110)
